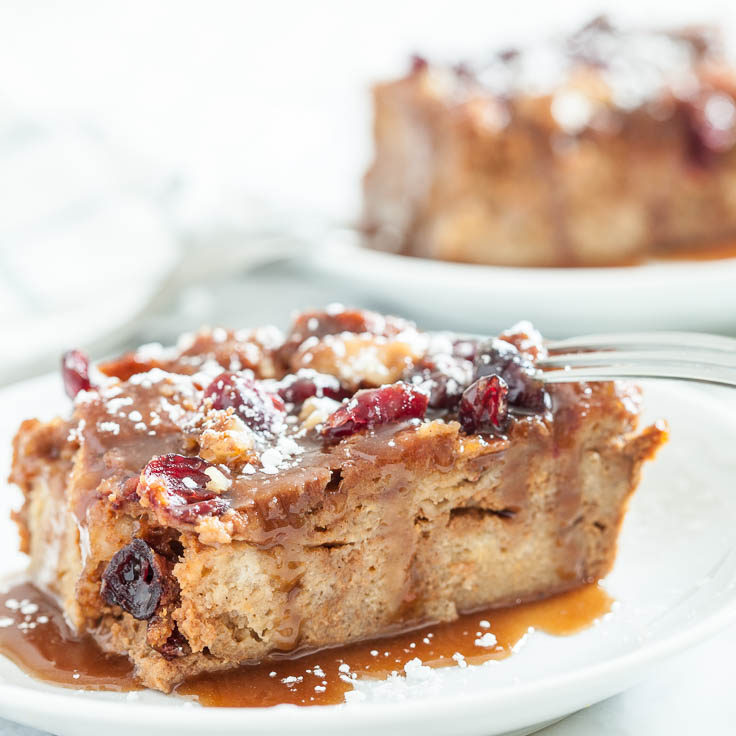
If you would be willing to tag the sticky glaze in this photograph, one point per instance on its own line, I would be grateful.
(41, 643)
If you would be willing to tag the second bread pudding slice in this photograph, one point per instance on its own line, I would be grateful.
(609, 147)
(248, 493)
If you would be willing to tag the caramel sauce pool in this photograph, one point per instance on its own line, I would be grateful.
(34, 635)
(697, 252)
(711, 252)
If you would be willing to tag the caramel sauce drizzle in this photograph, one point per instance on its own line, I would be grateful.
(41, 643)
(34, 635)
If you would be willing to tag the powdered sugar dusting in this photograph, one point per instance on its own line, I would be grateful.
(111, 427)
(154, 351)
(486, 640)
(115, 405)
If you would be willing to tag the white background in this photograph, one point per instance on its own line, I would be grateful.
(260, 98)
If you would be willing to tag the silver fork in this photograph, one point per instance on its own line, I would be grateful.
(688, 356)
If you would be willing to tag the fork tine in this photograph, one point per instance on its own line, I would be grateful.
(617, 357)
(650, 340)
(701, 373)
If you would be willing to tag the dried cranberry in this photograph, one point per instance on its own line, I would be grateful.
(417, 63)
(175, 646)
(296, 388)
(710, 127)
(374, 406)
(75, 372)
(179, 484)
(525, 390)
(445, 378)
(251, 403)
(135, 579)
(484, 405)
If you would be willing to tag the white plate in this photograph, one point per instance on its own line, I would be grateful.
(675, 583)
(697, 295)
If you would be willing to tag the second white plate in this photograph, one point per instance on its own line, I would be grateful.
(681, 295)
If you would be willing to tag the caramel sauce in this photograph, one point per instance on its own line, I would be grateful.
(712, 252)
(41, 643)
(35, 636)
(316, 679)
(715, 251)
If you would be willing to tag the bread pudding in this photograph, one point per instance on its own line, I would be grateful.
(608, 147)
(248, 494)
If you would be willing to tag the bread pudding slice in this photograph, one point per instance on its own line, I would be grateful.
(609, 147)
(247, 494)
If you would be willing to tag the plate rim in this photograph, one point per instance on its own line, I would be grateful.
(343, 244)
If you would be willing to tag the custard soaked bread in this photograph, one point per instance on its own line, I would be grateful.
(246, 493)
(604, 148)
